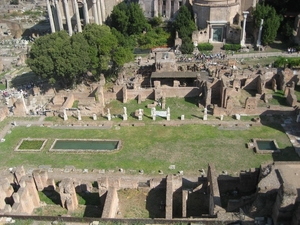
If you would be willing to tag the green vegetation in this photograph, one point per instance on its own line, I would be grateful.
(205, 47)
(290, 62)
(75, 104)
(153, 148)
(130, 25)
(31, 144)
(232, 47)
(184, 24)
(2, 86)
(271, 22)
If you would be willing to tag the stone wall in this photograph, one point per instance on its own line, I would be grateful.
(214, 198)
(291, 98)
(68, 194)
(169, 198)
(3, 112)
(69, 102)
(111, 204)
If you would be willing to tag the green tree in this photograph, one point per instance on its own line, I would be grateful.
(271, 22)
(129, 19)
(187, 46)
(102, 44)
(57, 57)
(154, 37)
(120, 18)
(156, 21)
(184, 23)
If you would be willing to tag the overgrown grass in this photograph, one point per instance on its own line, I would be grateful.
(31, 144)
(152, 148)
(75, 104)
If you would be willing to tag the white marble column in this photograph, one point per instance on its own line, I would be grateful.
(245, 13)
(160, 6)
(211, 34)
(176, 6)
(68, 19)
(60, 23)
(102, 4)
(95, 14)
(168, 9)
(155, 8)
(259, 32)
(99, 12)
(50, 17)
(79, 28)
(86, 12)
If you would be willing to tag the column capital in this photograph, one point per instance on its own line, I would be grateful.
(245, 14)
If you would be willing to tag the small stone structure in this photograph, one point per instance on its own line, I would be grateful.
(68, 194)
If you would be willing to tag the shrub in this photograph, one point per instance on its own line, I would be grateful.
(232, 47)
(289, 62)
(205, 47)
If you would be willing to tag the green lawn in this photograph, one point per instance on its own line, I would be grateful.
(31, 144)
(151, 148)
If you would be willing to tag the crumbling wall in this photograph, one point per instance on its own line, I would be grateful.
(287, 78)
(251, 82)
(6, 191)
(42, 181)
(169, 197)
(251, 105)
(214, 198)
(69, 102)
(68, 194)
(3, 112)
(111, 204)
(291, 98)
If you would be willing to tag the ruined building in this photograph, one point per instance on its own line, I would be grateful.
(221, 20)
(269, 192)
(216, 20)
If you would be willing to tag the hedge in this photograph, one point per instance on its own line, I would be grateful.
(289, 62)
(205, 47)
(232, 47)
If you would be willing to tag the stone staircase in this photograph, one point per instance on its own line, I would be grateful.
(217, 47)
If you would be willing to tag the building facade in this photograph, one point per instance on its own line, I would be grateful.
(221, 20)
(216, 20)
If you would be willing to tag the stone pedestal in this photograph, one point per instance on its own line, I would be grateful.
(94, 117)
(140, 115)
(205, 117)
(65, 115)
(78, 115)
(182, 117)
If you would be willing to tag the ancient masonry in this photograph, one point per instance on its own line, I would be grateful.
(72, 15)
(271, 190)
(217, 21)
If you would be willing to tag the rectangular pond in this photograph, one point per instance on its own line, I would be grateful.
(265, 146)
(85, 145)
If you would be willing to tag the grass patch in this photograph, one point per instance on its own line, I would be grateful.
(2, 86)
(178, 107)
(31, 144)
(75, 104)
(152, 148)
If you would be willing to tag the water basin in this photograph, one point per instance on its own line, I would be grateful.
(85, 145)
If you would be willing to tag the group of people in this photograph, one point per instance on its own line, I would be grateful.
(291, 50)
(202, 56)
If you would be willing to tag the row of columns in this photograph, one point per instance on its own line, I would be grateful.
(164, 7)
(98, 10)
